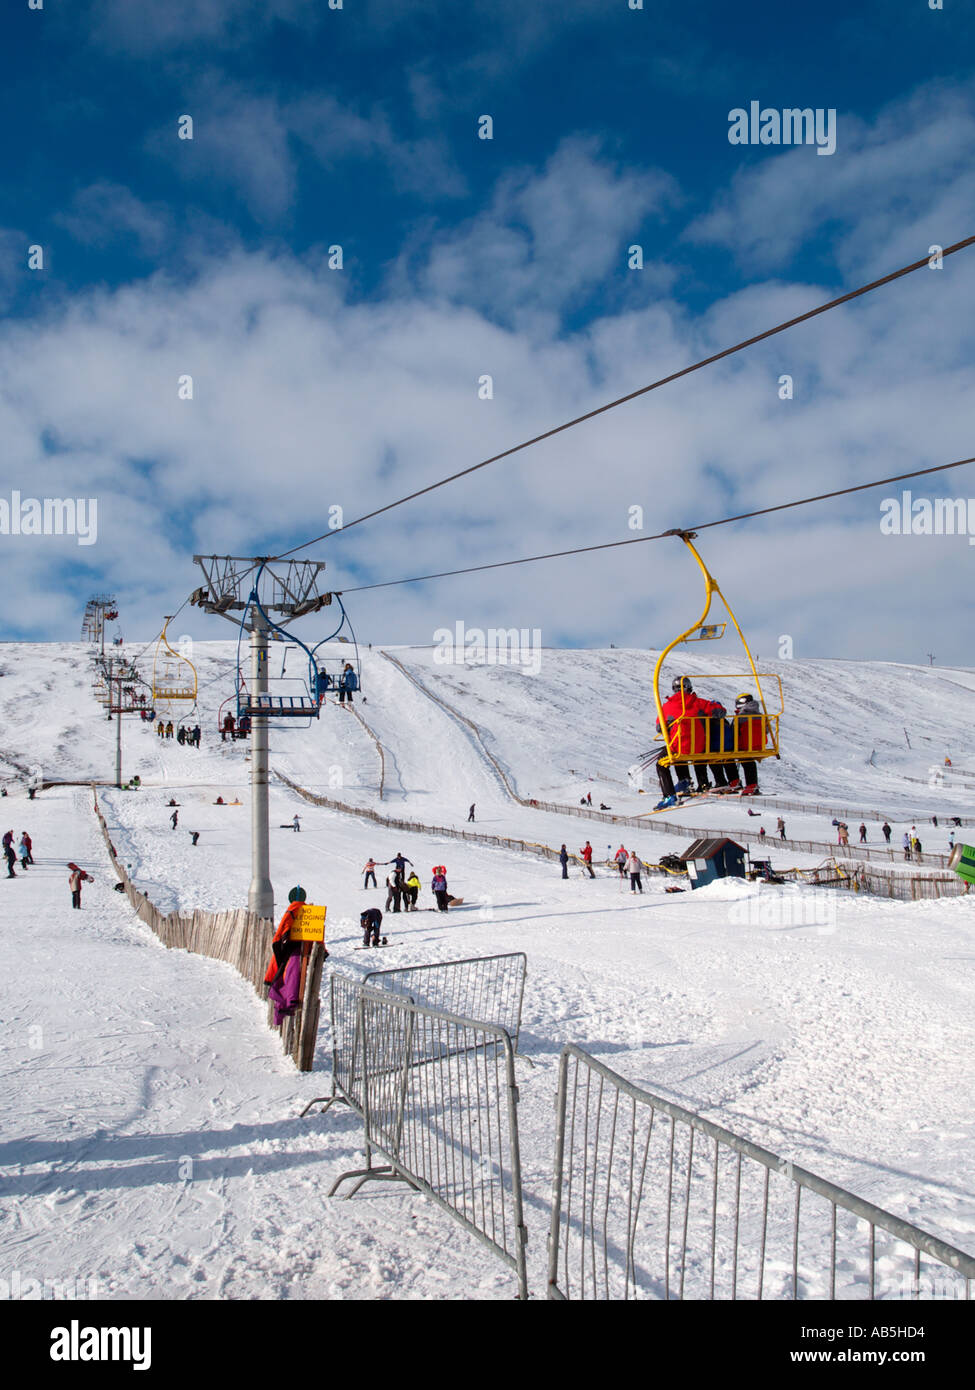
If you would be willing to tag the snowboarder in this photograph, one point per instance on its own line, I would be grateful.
(194, 836)
(76, 878)
(370, 921)
(863, 833)
(586, 853)
(885, 828)
(296, 824)
(438, 886)
(174, 819)
(564, 861)
(633, 868)
(411, 892)
(25, 839)
(369, 869)
(470, 813)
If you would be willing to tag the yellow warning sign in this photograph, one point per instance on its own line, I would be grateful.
(309, 924)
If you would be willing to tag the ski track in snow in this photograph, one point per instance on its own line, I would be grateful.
(151, 1138)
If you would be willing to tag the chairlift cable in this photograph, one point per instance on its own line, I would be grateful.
(641, 391)
(660, 535)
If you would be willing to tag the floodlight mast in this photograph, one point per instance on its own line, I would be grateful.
(292, 590)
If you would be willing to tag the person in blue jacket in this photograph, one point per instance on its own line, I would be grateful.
(348, 681)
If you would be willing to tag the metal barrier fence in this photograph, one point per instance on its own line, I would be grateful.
(439, 1103)
(488, 987)
(652, 1201)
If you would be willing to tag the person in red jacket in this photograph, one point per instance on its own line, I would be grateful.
(750, 735)
(687, 715)
(586, 853)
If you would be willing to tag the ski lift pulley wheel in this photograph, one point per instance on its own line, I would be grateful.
(696, 739)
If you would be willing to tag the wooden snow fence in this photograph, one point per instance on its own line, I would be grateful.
(239, 938)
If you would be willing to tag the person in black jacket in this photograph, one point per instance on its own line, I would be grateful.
(370, 921)
(564, 861)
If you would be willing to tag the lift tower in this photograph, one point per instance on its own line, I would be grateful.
(245, 591)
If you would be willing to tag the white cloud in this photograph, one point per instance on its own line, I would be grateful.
(893, 187)
(105, 214)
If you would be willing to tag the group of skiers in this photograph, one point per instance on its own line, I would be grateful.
(402, 890)
(627, 862)
(183, 735)
(697, 726)
(22, 852)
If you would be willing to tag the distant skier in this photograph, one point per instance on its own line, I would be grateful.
(370, 921)
(780, 827)
(863, 833)
(75, 879)
(761, 832)
(10, 855)
(564, 861)
(470, 813)
(438, 886)
(169, 729)
(885, 828)
(588, 798)
(369, 869)
(296, 824)
(586, 853)
(25, 839)
(161, 729)
(621, 856)
(23, 854)
(194, 836)
(951, 840)
(906, 845)
(174, 819)
(916, 847)
(934, 821)
(633, 868)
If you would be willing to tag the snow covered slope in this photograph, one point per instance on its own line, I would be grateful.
(837, 1031)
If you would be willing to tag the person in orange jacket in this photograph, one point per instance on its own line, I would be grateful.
(283, 974)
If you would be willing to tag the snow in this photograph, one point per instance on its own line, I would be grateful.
(152, 1139)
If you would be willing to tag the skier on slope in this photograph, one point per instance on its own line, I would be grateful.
(369, 869)
(621, 856)
(174, 819)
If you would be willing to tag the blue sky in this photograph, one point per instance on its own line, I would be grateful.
(315, 387)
